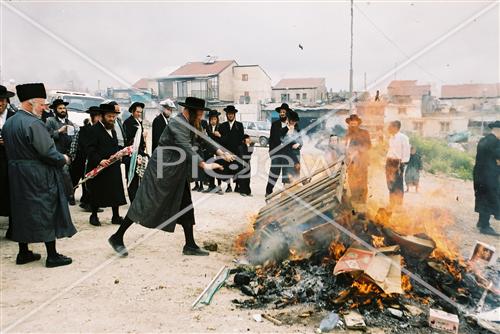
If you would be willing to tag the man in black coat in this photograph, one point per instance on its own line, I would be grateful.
(487, 179)
(161, 121)
(106, 189)
(5, 114)
(232, 133)
(131, 126)
(209, 154)
(278, 163)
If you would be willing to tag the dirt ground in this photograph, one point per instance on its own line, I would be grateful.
(152, 289)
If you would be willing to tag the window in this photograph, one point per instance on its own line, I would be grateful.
(402, 110)
(251, 126)
(304, 96)
(445, 126)
(418, 126)
(297, 96)
(246, 93)
(244, 77)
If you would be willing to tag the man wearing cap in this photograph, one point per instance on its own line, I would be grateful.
(487, 179)
(358, 144)
(77, 168)
(131, 126)
(232, 133)
(39, 204)
(278, 162)
(106, 189)
(161, 121)
(5, 114)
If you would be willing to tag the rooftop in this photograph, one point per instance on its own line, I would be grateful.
(407, 88)
(201, 69)
(292, 83)
(470, 90)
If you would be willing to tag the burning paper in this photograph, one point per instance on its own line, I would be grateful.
(383, 270)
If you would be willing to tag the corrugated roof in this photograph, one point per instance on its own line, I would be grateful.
(201, 69)
(300, 83)
(470, 90)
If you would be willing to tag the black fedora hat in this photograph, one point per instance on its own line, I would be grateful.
(292, 115)
(194, 103)
(4, 93)
(31, 91)
(134, 105)
(495, 124)
(230, 108)
(283, 106)
(56, 103)
(107, 108)
(353, 117)
(94, 110)
(213, 113)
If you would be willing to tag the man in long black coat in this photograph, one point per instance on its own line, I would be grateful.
(106, 189)
(232, 133)
(5, 114)
(131, 126)
(487, 179)
(278, 163)
(39, 203)
(161, 121)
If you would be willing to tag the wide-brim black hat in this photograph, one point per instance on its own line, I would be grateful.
(107, 108)
(94, 110)
(4, 93)
(31, 91)
(292, 115)
(495, 124)
(194, 103)
(230, 109)
(353, 117)
(213, 113)
(135, 105)
(56, 103)
(283, 106)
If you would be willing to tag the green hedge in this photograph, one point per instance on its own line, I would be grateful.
(438, 158)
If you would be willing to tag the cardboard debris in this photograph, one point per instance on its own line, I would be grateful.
(483, 254)
(492, 315)
(420, 246)
(383, 270)
(354, 320)
(320, 235)
(443, 321)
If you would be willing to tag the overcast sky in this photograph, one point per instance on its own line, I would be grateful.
(120, 42)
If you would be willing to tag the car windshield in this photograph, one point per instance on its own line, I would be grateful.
(264, 126)
(82, 103)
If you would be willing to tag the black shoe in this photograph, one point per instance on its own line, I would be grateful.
(229, 189)
(118, 247)
(23, 258)
(58, 261)
(72, 201)
(195, 188)
(94, 220)
(116, 220)
(194, 251)
(243, 194)
(201, 189)
(489, 231)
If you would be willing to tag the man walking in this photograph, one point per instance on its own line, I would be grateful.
(398, 156)
(487, 179)
(106, 189)
(278, 162)
(161, 121)
(39, 204)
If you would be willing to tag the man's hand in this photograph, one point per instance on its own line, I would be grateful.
(217, 134)
(104, 163)
(295, 146)
(63, 129)
(212, 166)
(2, 142)
(228, 157)
(68, 159)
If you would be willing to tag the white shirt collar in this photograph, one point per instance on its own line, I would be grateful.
(3, 118)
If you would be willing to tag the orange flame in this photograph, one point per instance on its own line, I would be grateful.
(378, 241)
(240, 243)
(336, 250)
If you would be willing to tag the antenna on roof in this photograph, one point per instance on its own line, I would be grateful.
(210, 59)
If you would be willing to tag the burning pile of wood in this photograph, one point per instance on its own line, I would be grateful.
(309, 246)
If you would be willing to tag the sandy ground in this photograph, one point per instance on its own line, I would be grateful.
(152, 290)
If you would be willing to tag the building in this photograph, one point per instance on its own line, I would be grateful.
(146, 84)
(306, 91)
(217, 81)
(472, 97)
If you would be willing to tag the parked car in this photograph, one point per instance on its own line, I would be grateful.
(258, 131)
(78, 104)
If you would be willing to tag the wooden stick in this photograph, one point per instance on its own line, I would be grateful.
(208, 287)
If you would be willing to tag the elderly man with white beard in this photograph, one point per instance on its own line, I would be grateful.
(39, 204)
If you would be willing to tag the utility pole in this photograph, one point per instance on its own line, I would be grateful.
(350, 67)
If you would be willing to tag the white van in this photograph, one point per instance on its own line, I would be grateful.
(258, 131)
(79, 103)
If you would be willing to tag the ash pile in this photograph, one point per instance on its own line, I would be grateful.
(308, 246)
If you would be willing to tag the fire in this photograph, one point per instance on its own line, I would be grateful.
(405, 283)
(365, 288)
(240, 243)
(336, 250)
(378, 241)
(295, 255)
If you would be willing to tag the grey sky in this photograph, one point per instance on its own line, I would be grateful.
(145, 39)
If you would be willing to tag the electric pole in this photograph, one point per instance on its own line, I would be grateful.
(350, 68)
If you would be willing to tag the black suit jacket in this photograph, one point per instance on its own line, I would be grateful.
(232, 138)
(275, 137)
(130, 126)
(158, 127)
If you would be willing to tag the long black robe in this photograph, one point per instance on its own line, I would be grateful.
(106, 189)
(4, 176)
(159, 125)
(487, 176)
(39, 205)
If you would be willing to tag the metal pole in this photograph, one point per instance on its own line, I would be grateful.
(350, 68)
